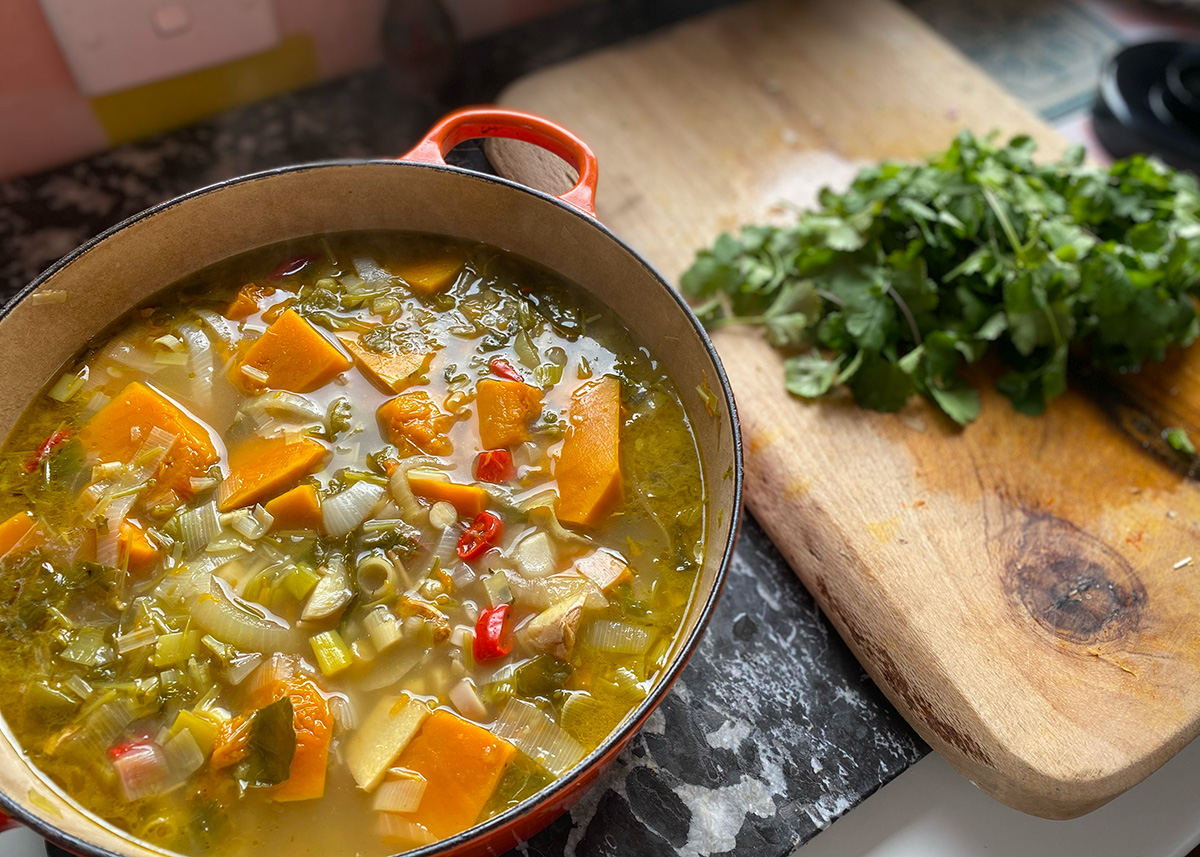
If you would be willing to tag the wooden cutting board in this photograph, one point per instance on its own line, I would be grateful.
(1018, 588)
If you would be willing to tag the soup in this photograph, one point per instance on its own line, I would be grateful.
(342, 546)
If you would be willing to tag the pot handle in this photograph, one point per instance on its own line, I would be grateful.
(473, 122)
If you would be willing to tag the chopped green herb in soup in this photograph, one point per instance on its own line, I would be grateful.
(342, 546)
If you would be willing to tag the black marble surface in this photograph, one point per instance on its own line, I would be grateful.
(772, 732)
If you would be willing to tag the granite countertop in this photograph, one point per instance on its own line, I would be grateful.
(773, 730)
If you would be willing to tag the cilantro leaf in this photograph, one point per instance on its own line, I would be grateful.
(271, 746)
(892, 285)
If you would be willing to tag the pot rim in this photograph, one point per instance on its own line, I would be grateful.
(688, 646)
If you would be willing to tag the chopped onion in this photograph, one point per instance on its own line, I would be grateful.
(201, 484)
(467, 701)
(370, 271)
(619, 638)
(203, 361)
(400, 831)
(255, 374)
(382, 628)
(536, 735)
(67, 386)
(343, 711)
(217, 613)
(170, 342)
(105, 723)
(442, 554)
(410, 510)
(241, 665)
(219, 325)
(183, 754)
(252, 523)
(401, 791)
(343, 512)
(280, 404)
(134, 640)
(461, 575)
(540, 507)
(142, 771)
(199, 527)
(78, 686)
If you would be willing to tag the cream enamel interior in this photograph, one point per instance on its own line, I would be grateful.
(40, 334)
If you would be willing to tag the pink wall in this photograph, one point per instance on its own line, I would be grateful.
(44, 120)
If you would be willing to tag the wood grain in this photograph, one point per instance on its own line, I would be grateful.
(1013, 586)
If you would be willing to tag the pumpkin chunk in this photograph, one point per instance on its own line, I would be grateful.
(264, 467)
(247, 301)
(117, 431)
(290, 355)
(413, 419)
(135, 550)
(505, 409)
(462, 764)
(314, 729)
(589, 466)
(469, 500)
(433, 275)
(390, 372)
(19, 532)
(297, 509)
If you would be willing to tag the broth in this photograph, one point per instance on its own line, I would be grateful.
(342, 545)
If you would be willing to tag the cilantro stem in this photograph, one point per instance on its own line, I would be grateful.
(829, 296)
(1006, 225)
(912, 322)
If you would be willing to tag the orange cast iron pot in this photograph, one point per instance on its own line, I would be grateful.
(131, 262)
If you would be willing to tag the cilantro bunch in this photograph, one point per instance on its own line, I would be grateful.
(918, 269)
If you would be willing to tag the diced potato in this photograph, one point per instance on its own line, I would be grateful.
(589, 466)
(297, 509)
(414, 420)
(290, 355)
(390, 372)
(536, 555)
(604, 569)
(462, 764)
(385, 732)
(505, 409)
(264, 467)
(117, 431)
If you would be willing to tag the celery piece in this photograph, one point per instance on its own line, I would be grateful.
(88, 648)
(203, 729)
(48, 700)
(176, 647)
(497, 589)
(67, 386)
(331, 651)
(382, 628)
(300, 581)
